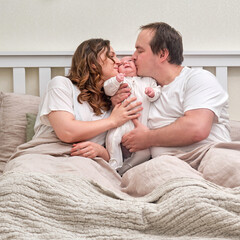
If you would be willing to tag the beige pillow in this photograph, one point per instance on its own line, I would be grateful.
(235, 130)
(13, 109)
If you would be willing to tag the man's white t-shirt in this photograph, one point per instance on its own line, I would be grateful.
(61, 95)
(192, 89)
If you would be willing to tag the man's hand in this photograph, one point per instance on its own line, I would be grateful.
(123, 93)
(137, 139)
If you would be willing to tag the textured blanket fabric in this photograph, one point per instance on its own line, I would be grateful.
(40, 206)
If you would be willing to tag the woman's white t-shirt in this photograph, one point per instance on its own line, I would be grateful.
(61, 95)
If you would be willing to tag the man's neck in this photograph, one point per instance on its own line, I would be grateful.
(168, 73)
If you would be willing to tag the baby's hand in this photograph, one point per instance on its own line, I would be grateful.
(150, 92)
(120, 77)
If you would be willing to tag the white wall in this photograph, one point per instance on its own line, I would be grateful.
(59, 25)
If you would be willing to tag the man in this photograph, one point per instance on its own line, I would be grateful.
(190, 117)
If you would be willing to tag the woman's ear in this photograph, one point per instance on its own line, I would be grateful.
(93, 66)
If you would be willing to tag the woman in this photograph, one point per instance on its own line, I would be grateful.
(93, 62)
(75, 110)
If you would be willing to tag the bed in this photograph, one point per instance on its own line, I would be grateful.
(36, 205)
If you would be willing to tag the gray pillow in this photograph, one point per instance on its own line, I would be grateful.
(31, 119)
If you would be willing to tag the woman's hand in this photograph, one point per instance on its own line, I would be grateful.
(90, 150)
(123, 93)
(125, 111)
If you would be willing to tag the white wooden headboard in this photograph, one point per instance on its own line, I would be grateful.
(44, 61)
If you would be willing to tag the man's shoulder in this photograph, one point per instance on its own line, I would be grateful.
(192, 72)
(200, 78)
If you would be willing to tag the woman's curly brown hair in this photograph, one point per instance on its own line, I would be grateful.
(86, 74)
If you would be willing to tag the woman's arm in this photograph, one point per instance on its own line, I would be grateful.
(70, 130)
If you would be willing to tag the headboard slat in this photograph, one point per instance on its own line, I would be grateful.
(44, 77)
(222, 76)
(19, 85)
(66, 71)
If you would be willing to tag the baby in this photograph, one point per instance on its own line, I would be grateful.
(146, 91)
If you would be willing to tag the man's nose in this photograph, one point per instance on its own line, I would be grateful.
(134, 57)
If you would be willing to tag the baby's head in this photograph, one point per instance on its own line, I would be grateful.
(127, 67)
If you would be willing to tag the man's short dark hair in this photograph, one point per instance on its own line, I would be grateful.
(166, 37)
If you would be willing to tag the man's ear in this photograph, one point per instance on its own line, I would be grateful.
(163, 55)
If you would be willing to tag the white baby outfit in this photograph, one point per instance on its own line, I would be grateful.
(114, 136)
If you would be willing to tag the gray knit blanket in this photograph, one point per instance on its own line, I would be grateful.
(40, 206)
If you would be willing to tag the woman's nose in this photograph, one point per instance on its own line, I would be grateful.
(116, 60)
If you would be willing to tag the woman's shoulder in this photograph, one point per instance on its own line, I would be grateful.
(60, 82)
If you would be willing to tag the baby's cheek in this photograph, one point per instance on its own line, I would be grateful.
(121, 69)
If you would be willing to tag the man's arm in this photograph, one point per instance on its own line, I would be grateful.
(193, 127)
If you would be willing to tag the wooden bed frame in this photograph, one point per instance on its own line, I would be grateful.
(44, 61)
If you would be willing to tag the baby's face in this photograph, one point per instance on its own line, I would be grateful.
(127, 67)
